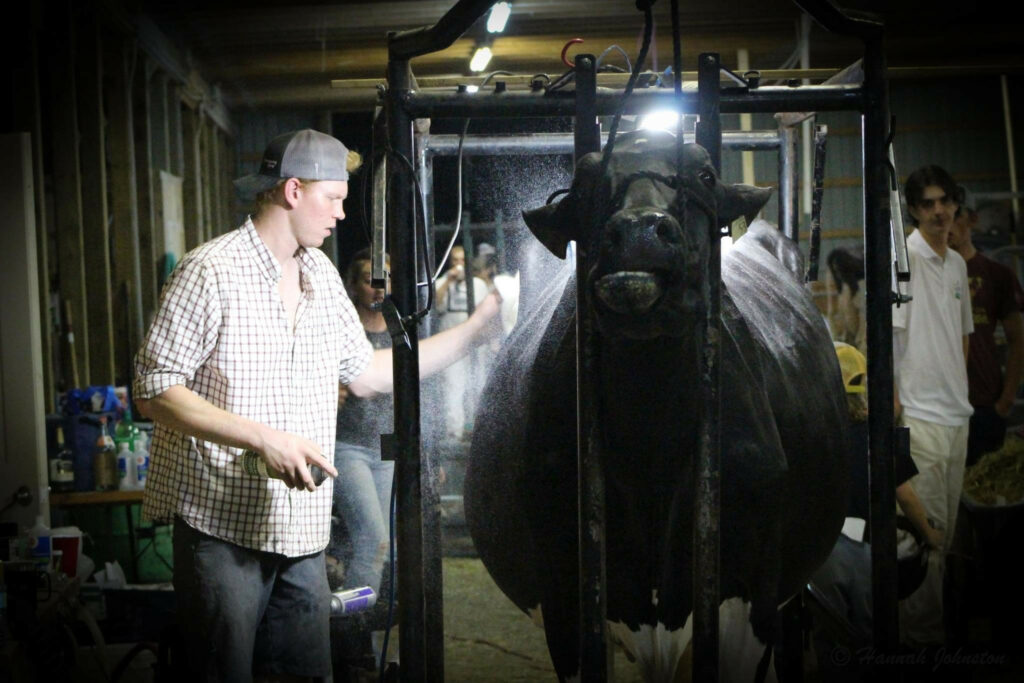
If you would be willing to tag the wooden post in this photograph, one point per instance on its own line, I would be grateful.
(149, 234)
(191, 127)
(120, 59)
(175, 132)
(67, 191)
(92, 151)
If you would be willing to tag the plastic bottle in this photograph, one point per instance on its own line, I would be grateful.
(252, 463)
(125, 468)
(39, 548)
(126, 431)
(104, 460)
(141, 461)
(62, 466)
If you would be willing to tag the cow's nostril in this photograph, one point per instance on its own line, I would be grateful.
(615, 237)
(663, 231)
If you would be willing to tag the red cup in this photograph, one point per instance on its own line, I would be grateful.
(70, 546)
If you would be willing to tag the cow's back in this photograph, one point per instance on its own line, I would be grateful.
(791, 346)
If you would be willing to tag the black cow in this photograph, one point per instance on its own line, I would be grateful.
(645, 230)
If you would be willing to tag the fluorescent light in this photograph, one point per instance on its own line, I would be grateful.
(498, 17)
(480, 59)
(472, 88)
(663, 119)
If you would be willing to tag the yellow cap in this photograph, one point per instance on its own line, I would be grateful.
(854, 368)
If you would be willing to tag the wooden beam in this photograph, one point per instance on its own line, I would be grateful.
(205, 143)
(150, 233)
(160, 121)
(119, 58)
(92, 150)
(67, 194)
(191, 130)
(175, 132)
(217, 191)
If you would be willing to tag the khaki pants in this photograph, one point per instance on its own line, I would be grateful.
(939, 452)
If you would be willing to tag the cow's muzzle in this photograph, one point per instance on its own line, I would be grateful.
(629, 292)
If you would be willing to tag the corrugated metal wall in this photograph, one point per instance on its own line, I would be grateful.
(955, 123)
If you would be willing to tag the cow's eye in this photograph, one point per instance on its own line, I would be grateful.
(706, 177)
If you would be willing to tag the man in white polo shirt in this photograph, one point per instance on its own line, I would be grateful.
(930, 339)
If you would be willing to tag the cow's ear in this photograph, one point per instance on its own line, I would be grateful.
(741, 200)
(552, 225)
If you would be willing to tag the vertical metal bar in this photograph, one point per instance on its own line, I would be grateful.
(593, 602)
(820, 137)
(787, 183)
(707, 494)
(433, 589)
(878, 276)
(406, 378)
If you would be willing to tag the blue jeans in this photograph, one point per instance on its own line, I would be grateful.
(244, 612)
(362, 499)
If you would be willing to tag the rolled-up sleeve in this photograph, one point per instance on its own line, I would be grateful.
(183, 333)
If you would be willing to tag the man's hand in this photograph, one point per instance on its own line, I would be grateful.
(456, 273)
(487, 316)
(934, 538)
(290, 456)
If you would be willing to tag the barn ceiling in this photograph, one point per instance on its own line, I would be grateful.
(263, 54)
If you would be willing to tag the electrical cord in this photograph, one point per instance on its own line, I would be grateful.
(648, 30)
(600, 58)
(458, 210)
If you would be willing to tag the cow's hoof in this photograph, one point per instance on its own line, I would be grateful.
(629, 292)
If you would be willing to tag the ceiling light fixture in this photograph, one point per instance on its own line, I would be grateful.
(481, 58)
(498, 17)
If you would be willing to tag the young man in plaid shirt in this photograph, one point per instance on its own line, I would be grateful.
(253, 334)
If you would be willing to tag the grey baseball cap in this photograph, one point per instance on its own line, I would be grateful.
(306, 154)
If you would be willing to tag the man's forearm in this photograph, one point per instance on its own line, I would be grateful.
(435, 354)
(185, 411)
(912, 507)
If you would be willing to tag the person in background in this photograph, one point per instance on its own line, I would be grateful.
(363, 503)
(996, 299)
(930, 349)
(452, 308)
(845, 577)
(253, 335)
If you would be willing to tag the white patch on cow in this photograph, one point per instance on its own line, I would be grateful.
(536, 615)
(739, 650)
(656, 650)
(659, 653)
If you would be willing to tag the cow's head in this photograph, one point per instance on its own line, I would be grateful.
(645, 229)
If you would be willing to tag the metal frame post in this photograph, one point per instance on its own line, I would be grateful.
(409, 515)
(707, 490)
(878, 294)
(788, 170)
(591, 489)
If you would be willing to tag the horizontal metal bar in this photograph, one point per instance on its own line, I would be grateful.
(562, 143)
(769, 99)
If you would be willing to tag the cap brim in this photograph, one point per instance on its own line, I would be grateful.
(251, 185)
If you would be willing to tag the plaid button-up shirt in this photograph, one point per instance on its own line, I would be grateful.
(222, 332)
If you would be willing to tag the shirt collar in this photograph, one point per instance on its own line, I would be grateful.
(268, 264)
(918, 242)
